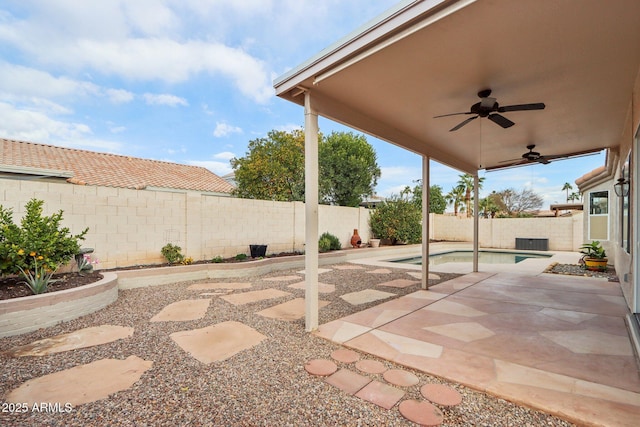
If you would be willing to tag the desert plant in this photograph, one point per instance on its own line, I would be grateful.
(173, 253)
(186, 260)
(39, 280)
(593, 250)
(241, 257)
(328, 242)
(37, 234)
(217, 259)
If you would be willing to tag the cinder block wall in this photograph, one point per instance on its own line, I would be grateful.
(129, 227)
(564, 233)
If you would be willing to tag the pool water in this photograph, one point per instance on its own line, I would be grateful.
(485, 257)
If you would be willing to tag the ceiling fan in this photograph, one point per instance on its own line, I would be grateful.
(489, 107)
(535, 157)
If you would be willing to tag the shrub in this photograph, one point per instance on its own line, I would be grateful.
(328, 242)
(241, 257)
(173, 253)
(217, 259)
(398, 220)
(39, 243)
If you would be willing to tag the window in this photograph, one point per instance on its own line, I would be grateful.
(599, 215)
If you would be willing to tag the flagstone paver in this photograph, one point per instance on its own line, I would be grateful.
(399, 283)
(323, 288)
(365, 296)
(183, 311)
(215, 286)
(217, 342)
(400, 378)
(320, 271)
(441, 394)
(254, 296)
(423, 413)
(381, 394)
(289, 311)
(320, 367)
(348, 381)
(345, 355)
(82, 384)
(82, 338)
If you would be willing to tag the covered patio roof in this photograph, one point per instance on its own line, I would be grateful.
(427, 58)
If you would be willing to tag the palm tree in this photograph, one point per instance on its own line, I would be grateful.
(466, 185)
(455, 198)
(567, 187)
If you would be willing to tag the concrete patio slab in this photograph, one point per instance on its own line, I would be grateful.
(217, 342)
(82, 384)
(553, 344)
(183, 311)
(82, 338)
(254, 296)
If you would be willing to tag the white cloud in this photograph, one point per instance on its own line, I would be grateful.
(164, 99)
(119, 96)
(37, 127)
(225, 155)
(224, 129)
(219, 168)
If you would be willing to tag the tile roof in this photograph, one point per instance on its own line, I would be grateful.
(110, 170)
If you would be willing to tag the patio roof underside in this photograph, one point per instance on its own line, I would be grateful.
(390, 78)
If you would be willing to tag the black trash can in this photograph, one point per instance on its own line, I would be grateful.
(258, 251)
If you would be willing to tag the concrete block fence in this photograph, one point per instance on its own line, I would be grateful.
(129, 227)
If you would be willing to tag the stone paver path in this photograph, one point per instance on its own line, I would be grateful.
(82, 384)
(217, 342)
(366, 296)
(219, 286)
(183, 311)
(254, 296)
(323, 288)
(289, 311)
(82, 338)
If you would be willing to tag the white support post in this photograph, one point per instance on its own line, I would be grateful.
(476, 223)
(311, 213)
(425, 222)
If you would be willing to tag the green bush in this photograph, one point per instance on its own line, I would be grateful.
(39, 241)
(241, 257)
(328, 242)
(217, 259)
(173, 253)
(398, 220)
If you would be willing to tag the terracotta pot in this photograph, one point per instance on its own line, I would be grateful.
(356, 241)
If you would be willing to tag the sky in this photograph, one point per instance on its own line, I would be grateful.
(191, 81)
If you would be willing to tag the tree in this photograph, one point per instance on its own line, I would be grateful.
(466, 183)
(397, 219)
(455, 197)
(437, 201)
(273, 168)
(574, 196)
(488, 207)
(515, 203)
(567, 187)
(349, 171)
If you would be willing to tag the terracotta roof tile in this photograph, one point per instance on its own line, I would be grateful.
(111, 170)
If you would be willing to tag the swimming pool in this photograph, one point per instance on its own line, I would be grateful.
(485, 257)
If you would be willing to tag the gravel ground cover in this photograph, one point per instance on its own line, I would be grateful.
(266, 385)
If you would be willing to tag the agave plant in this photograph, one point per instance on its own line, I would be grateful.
(38, 280)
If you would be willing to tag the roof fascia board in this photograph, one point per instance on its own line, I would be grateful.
(334, 110)
(44, 173)
(365, 40)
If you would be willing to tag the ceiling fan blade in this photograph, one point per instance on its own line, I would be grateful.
(452, 114)
(514, 163)
(542, 159)
(462, 124)
(522, 107)
(501, 120)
